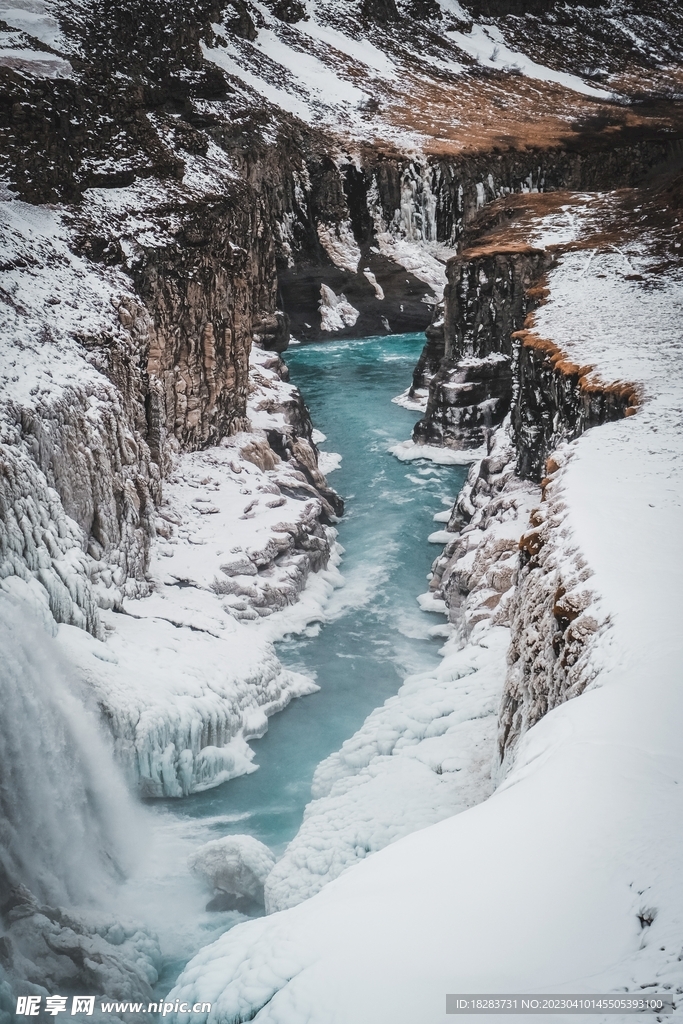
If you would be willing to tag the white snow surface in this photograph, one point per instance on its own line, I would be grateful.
(234, 864)
(410, 451)
(37, 19)
(542, 887)
(416, 402)
(328, 462)
(487, 45)
(336, 312)
(33, 20)
(52, 288)
(340, 245)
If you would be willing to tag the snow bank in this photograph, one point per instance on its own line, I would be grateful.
(409, 451)
(234, 864)
(423, 756)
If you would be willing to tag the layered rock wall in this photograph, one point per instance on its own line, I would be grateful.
(491, 366)
(486, 300)
(556, 400)
(556, 619)
(207, 294)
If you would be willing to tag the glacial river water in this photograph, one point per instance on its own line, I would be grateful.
(374, 633)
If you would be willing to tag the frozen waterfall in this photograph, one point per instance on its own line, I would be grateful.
(66, 820)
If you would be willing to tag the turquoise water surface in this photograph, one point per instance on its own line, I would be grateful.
(374, 634)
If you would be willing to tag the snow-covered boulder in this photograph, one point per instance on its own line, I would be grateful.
(235, 864)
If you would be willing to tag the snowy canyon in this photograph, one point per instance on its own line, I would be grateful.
(215, 215)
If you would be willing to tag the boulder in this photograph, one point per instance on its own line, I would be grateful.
(238, 865)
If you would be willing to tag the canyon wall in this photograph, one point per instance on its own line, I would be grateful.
(494, 382)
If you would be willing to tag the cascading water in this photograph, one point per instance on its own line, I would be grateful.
(65, 811)
(68, 830)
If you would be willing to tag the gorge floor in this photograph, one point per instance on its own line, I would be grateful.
(372, 633)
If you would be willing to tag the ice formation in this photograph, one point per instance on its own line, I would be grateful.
(235, 864)
(68, 827)
(336, 312)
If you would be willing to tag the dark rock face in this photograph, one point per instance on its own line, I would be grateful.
(429, 363)
(446, 196)
(556, 401)
(491, 366)
(468, 402)
(242, 23)
(207, 296)
(501, 8)
(381, 11)
(424, 10)
(290, 11)
(486, 300)
(60, 136)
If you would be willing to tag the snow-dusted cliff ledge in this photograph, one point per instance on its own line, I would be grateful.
(567, 877)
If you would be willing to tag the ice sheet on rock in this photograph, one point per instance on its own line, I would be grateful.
(238, 538)
(329, 461)
(416, 402)
(418, 260)
(409, 451)
(181, 681)
(340, 245)
(234, 864)
(336, 313)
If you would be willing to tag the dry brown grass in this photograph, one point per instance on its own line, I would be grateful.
(586, 376)
(484, 109)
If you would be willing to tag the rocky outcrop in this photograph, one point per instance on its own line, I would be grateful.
(556, 619)
(476, 573)
(501, 8)
(486, 300)
(45, 949)
(494, 363)
(208, 293)
(557, 400)
(79, 483)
